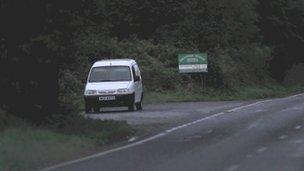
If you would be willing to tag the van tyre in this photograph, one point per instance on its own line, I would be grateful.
(87, 110)
(139, 105)
(132, 105)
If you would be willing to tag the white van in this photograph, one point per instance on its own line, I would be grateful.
(114, 83)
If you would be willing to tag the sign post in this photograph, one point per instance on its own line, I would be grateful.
(194, 63)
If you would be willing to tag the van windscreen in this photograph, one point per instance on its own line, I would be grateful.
(110, 73)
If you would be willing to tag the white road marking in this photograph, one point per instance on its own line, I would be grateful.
(132, 139)
(249, 156)
(300, 141)
(297, 95)
(299, 153)
(161, 135)
(209, 131)
(246, 106)
(253, 125)
(233, 167)
(193, 137)
(259, 110)
(297, 108)
(283, 137)
(298, 127)
(261, 150)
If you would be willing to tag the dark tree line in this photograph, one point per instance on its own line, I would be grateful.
(282, 27)
(47, 46)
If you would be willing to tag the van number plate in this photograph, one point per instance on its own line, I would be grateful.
(106, 98)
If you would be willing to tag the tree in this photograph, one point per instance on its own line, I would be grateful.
(35, 47)
(282, 27)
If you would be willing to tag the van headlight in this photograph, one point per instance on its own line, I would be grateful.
(123, 91)
(90, 92)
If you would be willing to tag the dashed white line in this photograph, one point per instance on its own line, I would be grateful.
(209, 131)
(297, 95)
(259, 110)
(298, 127)
(262, 149)
(283, 137)
(132, 139)
(300, 141)
(249, 156)
(233, 167)
(252, 104)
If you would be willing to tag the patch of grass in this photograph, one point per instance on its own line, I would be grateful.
(210, 94)
(27, 147)
(30, 149)
(7, 120)
(101, 132)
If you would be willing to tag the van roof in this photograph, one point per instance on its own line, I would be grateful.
(114, 62)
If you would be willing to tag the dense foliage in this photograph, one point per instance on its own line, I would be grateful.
(46, 47)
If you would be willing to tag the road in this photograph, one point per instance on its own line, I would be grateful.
(265, 135)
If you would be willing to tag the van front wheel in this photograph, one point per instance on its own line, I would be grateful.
(132, 104)
(139, 105)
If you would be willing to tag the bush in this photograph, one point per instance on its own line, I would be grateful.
(7, 121)
(69, 89)
(246, 65)
(294, 76)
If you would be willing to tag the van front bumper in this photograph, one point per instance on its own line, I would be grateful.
(120, 100)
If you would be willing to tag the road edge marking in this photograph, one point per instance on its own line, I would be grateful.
(166, 132)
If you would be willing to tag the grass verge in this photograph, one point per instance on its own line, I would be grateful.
(209, 94)
(31, 149)
(27, 147)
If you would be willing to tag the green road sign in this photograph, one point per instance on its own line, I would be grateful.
(193, 63)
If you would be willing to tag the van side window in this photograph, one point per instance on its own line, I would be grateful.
(137, 72)
(133, 72)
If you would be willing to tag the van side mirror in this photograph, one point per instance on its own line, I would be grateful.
(137, 78)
